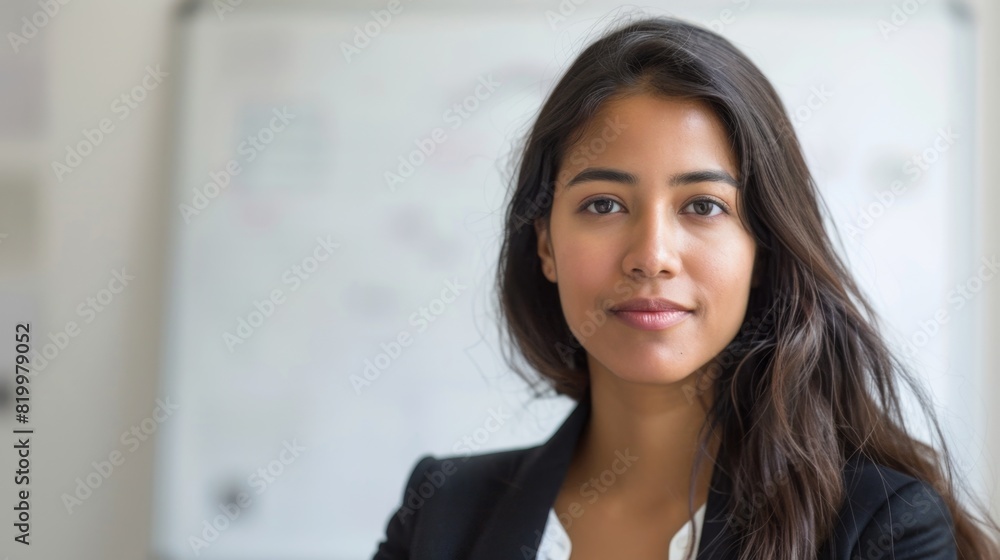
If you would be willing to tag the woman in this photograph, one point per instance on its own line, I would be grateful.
(665, 264)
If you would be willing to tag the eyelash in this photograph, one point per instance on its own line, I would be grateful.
(721, 205)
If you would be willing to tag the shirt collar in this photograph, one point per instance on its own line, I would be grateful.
(517, 522)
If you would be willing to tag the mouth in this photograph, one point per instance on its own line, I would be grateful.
(651, 320)
(649, 304)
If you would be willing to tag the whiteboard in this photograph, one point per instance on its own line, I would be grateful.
(296, 262)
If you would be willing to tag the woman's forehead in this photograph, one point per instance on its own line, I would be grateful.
(643, 131)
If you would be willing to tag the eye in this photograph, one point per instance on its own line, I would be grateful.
(601, 204)
(704, 205)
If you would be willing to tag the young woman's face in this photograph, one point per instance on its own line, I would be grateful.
(643, 208)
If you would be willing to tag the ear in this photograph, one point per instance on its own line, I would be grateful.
(545, 249)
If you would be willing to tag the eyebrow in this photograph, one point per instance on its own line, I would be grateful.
(676, 180)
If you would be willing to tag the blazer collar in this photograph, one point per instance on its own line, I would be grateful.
(520, 515)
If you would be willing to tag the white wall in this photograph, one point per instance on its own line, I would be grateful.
(989, 71)
(106, 214)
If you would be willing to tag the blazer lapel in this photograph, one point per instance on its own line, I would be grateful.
(514, 530)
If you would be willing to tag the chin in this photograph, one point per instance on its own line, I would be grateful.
(659, 372)
(660, 377)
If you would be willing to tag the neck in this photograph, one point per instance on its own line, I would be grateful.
(644, 439)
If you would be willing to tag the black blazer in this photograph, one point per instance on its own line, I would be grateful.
(495, 506)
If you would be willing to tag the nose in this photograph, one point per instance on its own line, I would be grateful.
(653, 245)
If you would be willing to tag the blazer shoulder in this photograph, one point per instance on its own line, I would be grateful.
(474, 473)
(451, 489)
(401, 525)
(889, 514)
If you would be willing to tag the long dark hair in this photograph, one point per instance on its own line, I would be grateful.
(809, 380)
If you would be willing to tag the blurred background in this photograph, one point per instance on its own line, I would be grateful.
(255, 242)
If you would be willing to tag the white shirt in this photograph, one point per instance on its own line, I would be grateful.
(555, 543)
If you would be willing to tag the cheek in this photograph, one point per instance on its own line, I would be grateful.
(727, 272)
(725, 260)
(583, 270)
(724, 278)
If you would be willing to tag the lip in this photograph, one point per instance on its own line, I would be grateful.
(648, 305)
(650, 314)
(651, 320)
